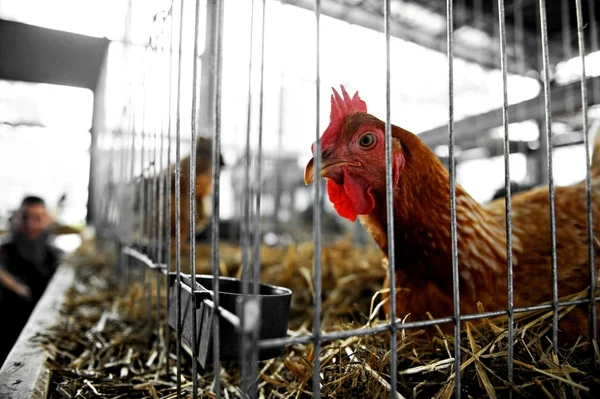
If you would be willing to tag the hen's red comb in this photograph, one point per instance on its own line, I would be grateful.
(341, 107)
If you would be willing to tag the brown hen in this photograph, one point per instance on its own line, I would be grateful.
(353, 162)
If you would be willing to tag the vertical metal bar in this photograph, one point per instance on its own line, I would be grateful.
(151, 133)
(108, 196)
(143, 183)
(154, 215)
(168, 188)
(123, 170)
(159, 53)
(155, 180)
(125, 153)
(216, 177)
(509, 254)
(542, 161)
(390, 203)
(178, 200)
(593, 326)
(153, 188)
(149, 190)
(142, 159)
(248, 366)
(318, 201)
(133, 137)
(280, 165)
(131, 182)
(548, 120)
(454, 233)
(136, 178)
(161, 190)
(245, 239)
(256, 257)
(259, 160)
(192, 188)
(128, 185)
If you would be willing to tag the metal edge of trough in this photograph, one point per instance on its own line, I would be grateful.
(23, 374)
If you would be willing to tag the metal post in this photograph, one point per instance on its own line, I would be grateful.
(389, 179)
(217, 17)
(508, 207)
(178, 200)
(548, 125)
(192, 203)
(452, 169)
(318, 201)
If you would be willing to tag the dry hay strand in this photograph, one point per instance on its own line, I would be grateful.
(106, 343)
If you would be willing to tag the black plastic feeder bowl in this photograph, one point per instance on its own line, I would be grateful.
(274, 314)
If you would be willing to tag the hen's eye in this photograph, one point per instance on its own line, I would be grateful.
(367, 140)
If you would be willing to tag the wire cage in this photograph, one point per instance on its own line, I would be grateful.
(160, 199)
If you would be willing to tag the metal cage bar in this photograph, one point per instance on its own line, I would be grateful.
(160, 192)
(317, 213)
(168, 188)
(178, 287)
(217, 16)
(508, 205)
(389, 196)
(249, 347)
(548, 133)
(192, 202)
(453, 223)
(153, 248)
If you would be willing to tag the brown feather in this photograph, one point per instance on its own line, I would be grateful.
(423, 240)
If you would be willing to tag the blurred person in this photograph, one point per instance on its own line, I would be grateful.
(28, 260)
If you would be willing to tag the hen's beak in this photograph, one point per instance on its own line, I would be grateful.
(309, 175)
(328, 169)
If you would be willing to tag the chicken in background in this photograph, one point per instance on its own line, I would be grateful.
(353, 162)
(202, 190)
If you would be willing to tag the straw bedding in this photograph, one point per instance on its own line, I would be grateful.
(106, 344)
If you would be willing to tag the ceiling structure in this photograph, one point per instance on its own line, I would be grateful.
(475, 27)
(476, 39)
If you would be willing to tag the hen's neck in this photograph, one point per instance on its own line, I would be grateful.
(422, 219)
